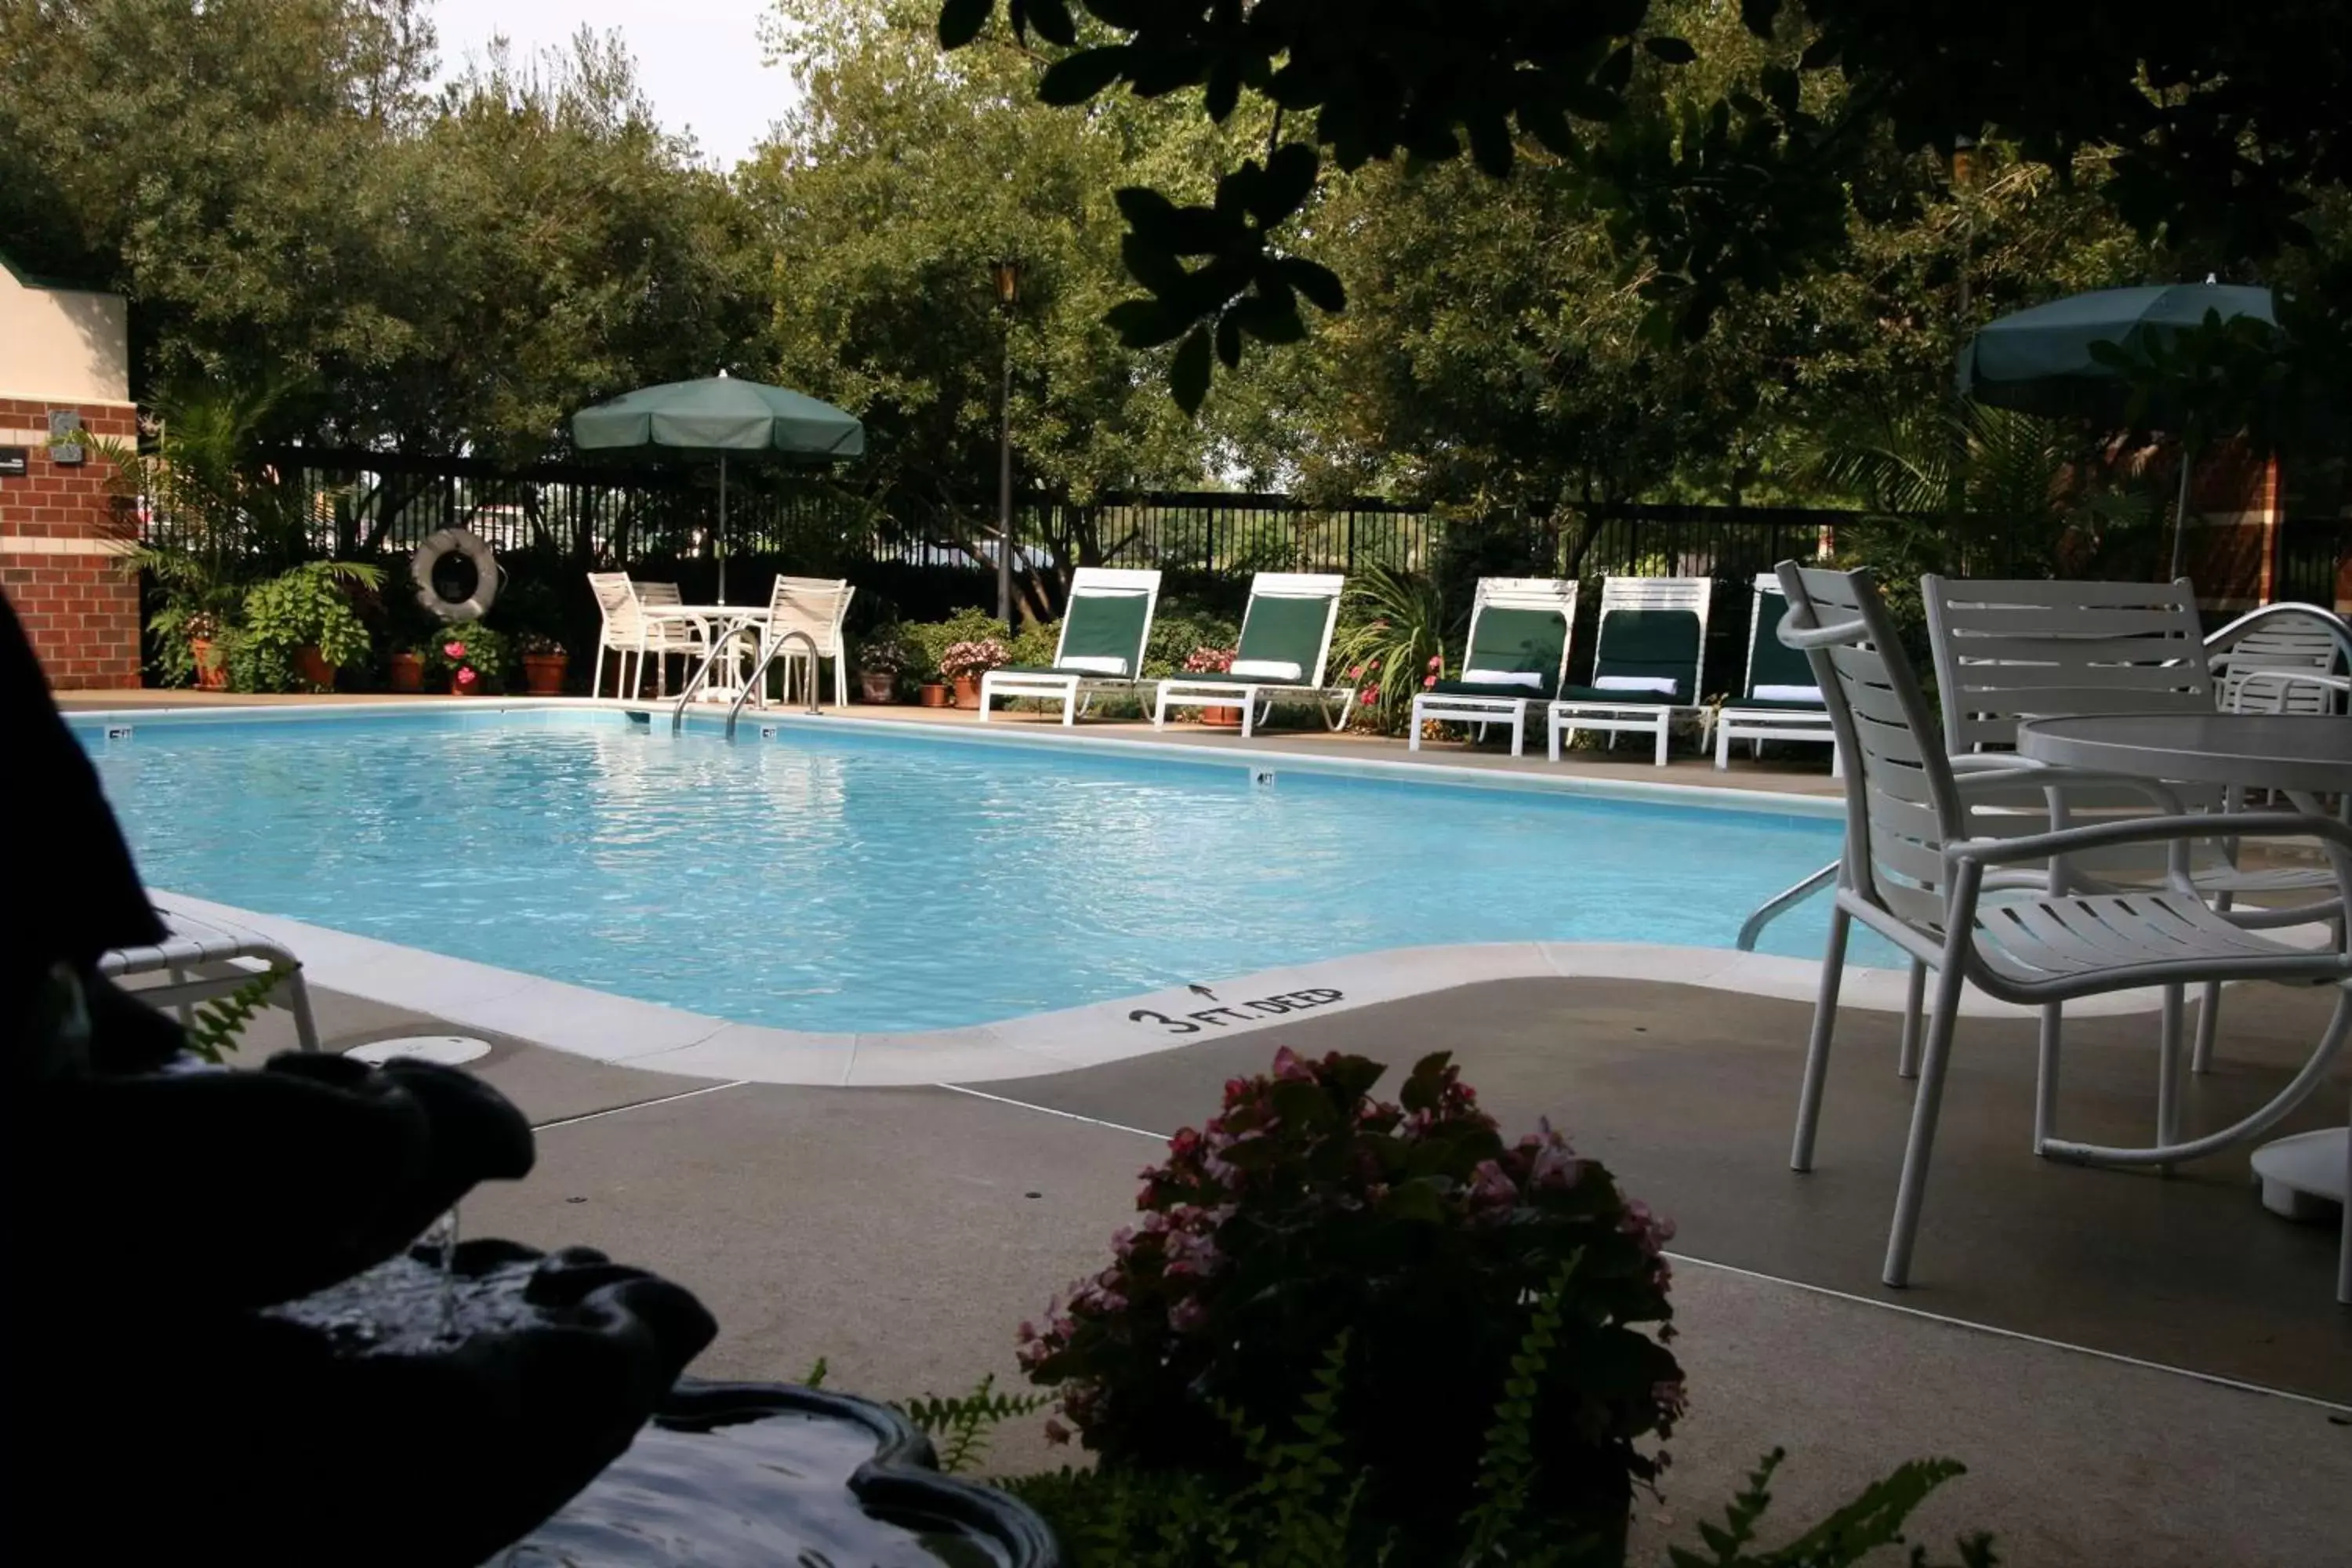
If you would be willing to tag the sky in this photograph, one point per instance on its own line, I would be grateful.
(698, 60)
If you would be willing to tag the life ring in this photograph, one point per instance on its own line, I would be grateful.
(437, 595)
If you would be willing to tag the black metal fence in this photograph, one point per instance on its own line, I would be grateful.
(2313, 557)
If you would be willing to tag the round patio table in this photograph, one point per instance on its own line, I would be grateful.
(2303, 754)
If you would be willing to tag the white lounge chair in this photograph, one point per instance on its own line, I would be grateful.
(1648, 651)
(1104, 633)
(1517, 657)
(815, 607)
(1778, 700)
(194, 942)
(1285, 643)
(1914, 871)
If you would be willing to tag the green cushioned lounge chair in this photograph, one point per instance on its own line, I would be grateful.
(1779, 700)
(1286, 641)
(1517, 655)
(1103, 634)
(1647, 653)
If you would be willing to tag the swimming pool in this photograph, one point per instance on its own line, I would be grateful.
(835, 877)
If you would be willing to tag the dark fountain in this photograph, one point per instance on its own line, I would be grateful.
(228, 1342)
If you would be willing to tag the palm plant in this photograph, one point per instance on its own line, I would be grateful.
(1391, 642)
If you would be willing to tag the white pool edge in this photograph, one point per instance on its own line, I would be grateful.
(609, 1028)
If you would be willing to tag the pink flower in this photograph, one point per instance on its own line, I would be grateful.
(1428, 682)
(1289, 1064)
(1187, 1315)
(1492, 1184)
(466, 677)
(453, 649)
(1436, 662)
(1356, 672)
(1027, 1332)
(1368, 696)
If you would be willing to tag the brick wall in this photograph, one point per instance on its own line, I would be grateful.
(62, 538)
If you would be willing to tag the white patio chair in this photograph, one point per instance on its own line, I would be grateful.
(815, 607)
(2281, 658)
(1778, 700)
(1106, 632)
(1913, 873)
(194, 942)
(2007, 650)
(1648, 653)
(629, 635)
(1516, 658)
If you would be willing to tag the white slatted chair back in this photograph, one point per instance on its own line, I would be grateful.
(616, 600)
(2298, 639)
(1692, 594)
(1901, 806)
(816, 607)
(2008, 650)
(1324, 585)
(656, 593)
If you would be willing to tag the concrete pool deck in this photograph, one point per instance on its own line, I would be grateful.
(2097, 1346)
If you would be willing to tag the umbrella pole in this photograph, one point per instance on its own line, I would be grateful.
(722, 528)
(2180, 511)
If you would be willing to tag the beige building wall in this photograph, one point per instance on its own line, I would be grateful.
(62, 345)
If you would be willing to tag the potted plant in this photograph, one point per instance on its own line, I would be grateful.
(301, 628)
(1214, 661)
(883, 658)
(469, 658)
(408, 669)
(544, 660)
(197, 633)
(964, 663)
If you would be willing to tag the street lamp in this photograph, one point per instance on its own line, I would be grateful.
(1008, 299)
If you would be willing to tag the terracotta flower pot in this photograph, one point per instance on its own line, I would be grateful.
(212, 668)
(876, 685)
(543, 673)
(408, 672)
(1229, 718)
(312, 666)
(934, 694)
(967, 691)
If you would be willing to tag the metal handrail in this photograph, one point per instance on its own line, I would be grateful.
(759, 673)
(702, 676)
(1781, 902)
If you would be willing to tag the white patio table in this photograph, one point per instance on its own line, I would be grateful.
(2302, 755)
(713, 622)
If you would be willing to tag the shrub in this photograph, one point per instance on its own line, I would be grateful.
(308, 606)
(1309, 1209)
(469, 657)
(887, 651)
(1035, 643)
(1390, 645)
(1176, 635)
(931, 639)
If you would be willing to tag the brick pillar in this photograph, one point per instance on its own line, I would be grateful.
(62, 540)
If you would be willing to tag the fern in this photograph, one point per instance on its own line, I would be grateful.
(960, 1427)
(1871, 1520)
(216, 1025)
(816, 1374)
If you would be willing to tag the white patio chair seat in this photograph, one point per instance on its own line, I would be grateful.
(2046, 941)
(205, 942)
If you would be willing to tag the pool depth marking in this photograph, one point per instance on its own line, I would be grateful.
(1265, 1010)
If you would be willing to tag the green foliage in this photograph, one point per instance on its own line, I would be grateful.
(1034, 643)
(216, 1025)
(1391, 643)
(308, 607)
(1306, 1208)
(889, 650)
(960, 1427)
(1871, 1521)
(931, 639)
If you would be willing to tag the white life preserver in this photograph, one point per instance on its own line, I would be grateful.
(456, 542)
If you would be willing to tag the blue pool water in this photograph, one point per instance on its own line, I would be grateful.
(845, 879)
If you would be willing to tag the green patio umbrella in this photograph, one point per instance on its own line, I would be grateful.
(2040, 360)
(722, 415)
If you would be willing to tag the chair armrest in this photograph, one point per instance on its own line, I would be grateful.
(2334, 835)
(2009, 771)
(2275, 683)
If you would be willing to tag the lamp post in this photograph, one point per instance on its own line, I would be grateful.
(1008, 299)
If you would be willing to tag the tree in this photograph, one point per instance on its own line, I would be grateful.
(2219, 131)
(899, 178)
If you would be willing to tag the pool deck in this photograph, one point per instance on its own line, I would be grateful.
(2095, 1346)
(2134, 1369)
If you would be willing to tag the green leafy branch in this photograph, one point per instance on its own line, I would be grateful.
(215, 1027)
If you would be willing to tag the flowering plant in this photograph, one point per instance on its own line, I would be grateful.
(1307, 1208)
(472, 657)
(1209, 661)
(964, 659)
(540, 643)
